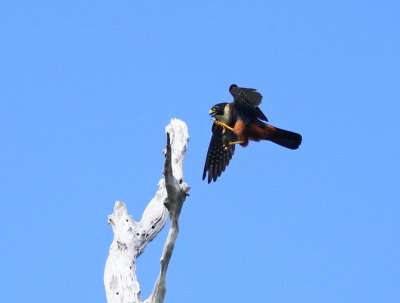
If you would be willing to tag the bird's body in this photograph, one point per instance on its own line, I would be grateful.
(244, 120)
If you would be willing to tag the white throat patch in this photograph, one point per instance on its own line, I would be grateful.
(225, 117)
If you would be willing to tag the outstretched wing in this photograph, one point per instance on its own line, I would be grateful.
(219, 153)
(249, 96)
(246, 101)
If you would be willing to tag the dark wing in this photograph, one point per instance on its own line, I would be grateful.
(219, 153)
(250, 96)
(246, 101)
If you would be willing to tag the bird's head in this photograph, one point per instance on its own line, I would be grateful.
(219, 111)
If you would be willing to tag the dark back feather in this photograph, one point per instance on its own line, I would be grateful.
(245, 103)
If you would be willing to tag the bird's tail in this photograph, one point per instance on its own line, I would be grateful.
(282, 137)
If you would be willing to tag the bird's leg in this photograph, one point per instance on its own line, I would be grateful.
(237, 142)
(223, 125)
(243, 140)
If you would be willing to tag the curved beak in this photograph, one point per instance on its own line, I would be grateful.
(211, 112)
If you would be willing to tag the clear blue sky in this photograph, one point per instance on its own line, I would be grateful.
(87, 88)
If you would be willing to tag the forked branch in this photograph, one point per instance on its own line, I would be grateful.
(131, 238)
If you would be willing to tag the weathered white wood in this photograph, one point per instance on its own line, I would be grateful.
(131, 238)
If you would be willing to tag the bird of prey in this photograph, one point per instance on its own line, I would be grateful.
(239, 122)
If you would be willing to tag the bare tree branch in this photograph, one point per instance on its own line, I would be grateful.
(131, 238)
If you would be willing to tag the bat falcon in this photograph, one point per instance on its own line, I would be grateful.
(239, 122)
